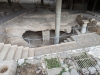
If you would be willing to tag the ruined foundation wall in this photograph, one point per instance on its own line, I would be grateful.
(93, 25)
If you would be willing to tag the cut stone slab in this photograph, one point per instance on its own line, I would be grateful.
(54, 71)
(8, 67)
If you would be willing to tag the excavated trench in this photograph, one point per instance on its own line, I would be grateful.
(36, 38)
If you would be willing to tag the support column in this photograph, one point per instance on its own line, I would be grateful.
(84, 26)
(58, 20)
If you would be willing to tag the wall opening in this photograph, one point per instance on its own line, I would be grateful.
(35, 36)
(36, 39)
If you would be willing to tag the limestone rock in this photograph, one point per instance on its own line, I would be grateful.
(98, 68)
(74, 72)
(54, 71)
(66, 73)
(85, 71)
(92, 70)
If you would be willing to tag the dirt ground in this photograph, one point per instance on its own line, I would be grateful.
(29, 69)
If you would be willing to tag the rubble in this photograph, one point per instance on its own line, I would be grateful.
(85, 71)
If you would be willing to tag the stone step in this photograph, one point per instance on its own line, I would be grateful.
(18, 53)
(25, 52)
(77, 31)
(1, 46)
(4, 51)
(65, 41)
(31, 52)
(11, 52)
(69, 39)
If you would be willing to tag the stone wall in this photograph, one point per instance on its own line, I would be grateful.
(2, 36)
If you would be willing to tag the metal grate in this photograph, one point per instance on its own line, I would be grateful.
(83, 60)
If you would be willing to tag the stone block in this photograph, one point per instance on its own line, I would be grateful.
(66, 73)
(92, 70)
(54, 71)
(46, 35)
(8, 67)
(74, 72)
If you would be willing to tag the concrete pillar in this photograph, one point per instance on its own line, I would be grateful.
(84, 26)
(46, 35)
(58, 19)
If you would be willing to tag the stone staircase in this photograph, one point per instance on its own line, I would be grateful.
(71, 39)
(68, 40)
(77, 32)
(13, 52)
